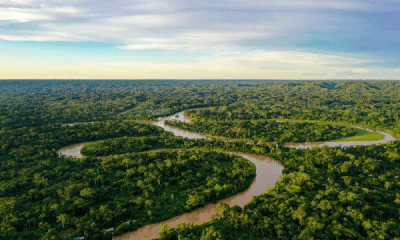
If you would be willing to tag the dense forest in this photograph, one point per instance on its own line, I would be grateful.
(43, 141)
(373, 104)
(64, 197)
(266, 130)
(138, 144)
(324, 193)
(44, 196)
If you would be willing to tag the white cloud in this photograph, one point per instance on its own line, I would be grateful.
(276, 65)
(193, 40)
(48, 37)
(314, 4)
(64, 10)
(255, 65)
(149, 46)
(136, 29)
(16, 2)
(219, 27)
(258, 64)
(286, 64)
(285, 4)
(153, 6)
(40, 13)
(297, 58)
(22, 15)
(143, 24)
(144, 20)
(35, 3)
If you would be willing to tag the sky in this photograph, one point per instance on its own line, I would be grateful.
(208, 39)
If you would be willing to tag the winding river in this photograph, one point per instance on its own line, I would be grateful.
(267, 172)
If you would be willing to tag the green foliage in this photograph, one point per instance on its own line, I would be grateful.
(137, 144)
(132, 144)
(33, 103)
(324, 193)
(265, 130)
(372, 104)
(40, 142)
(91, 195)
(363, 135)
(211, 234)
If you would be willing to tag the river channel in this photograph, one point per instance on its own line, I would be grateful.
(267, 172)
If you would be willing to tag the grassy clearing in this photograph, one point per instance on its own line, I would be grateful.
(362, 135)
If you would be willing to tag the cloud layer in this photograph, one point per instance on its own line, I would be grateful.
(270, 36)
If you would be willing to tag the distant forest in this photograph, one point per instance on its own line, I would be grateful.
(324, 193)
(368, 103)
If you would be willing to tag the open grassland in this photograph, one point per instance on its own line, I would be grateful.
(362, 135)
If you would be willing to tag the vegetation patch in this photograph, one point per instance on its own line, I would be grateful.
(87, 196)
(362, 135)
(125, 144)
(266, 130)
(350, 193)
(43, 141)
(324, 193)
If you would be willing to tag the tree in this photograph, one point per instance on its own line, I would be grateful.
(166, 233)
(211, 233)
(87, 193)
(63, 218)
(222, 209)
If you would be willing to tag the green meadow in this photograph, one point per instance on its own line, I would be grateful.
(362, 135)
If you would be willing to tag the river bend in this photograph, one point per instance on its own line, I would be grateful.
(268, 171)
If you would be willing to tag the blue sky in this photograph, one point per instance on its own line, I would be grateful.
(306, 39)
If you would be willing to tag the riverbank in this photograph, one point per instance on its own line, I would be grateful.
(268, 170)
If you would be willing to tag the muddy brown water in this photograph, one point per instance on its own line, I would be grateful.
(72, 151)
(268, 171)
